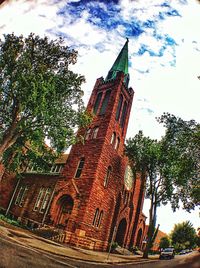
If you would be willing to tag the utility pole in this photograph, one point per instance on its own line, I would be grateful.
(111, 242)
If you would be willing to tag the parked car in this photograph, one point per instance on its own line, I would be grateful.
(167, 253)
(183, 251)
(188, 250)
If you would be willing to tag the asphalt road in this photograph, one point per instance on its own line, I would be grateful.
(191, 260)
(20, 256)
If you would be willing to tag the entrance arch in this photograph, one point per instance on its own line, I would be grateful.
(65, 207)
(139, 236)
(121, 232)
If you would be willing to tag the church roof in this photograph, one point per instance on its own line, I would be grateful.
(120, 65)
(121, 62)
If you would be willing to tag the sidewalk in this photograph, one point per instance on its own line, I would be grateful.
(28, 239)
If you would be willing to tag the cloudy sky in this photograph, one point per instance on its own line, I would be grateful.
(164, 54)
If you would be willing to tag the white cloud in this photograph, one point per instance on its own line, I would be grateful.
(23, 17)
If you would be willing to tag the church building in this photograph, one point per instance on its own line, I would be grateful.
(90, 193)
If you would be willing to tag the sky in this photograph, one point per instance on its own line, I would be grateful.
(164, 56)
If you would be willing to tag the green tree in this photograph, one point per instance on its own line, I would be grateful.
(40, 98)
(145, 155)
(169, 168)
(164, 242)
(183, 236)
(182, 146)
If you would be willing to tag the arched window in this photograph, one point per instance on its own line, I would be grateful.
(97, 102)
(123, 189)
(80, 167)
(68, 208)
(39, 199)
(123, 116)
(117, 143)
(112, 141)
(95, 132)
(87, 134)
(45, 200)
(125, 196)
(21, 195)
(105, 102)
(67, 204)
(96, 216)
(100, 219)
(106, 180)
(119, 107)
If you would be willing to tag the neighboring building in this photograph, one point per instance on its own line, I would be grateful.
(156, 242)
(91, 194)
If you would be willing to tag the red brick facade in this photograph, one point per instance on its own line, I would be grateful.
(90, 198)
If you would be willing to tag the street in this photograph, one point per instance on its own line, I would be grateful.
(19, 256)
(191, 260)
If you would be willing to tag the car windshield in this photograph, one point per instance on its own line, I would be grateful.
(168, 250)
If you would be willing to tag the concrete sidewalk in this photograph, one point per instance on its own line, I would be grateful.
(29, 240)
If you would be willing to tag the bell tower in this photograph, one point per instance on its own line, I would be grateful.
(111, 101)
(94, 172)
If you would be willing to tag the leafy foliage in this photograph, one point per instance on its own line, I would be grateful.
(145, 155)
(40, 97)
(114, 245)
(183, 236)
(170, 167)
(164, 242)
(182, 146)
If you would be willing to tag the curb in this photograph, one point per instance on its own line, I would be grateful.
(62, 255)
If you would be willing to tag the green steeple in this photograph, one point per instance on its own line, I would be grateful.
(120, 65)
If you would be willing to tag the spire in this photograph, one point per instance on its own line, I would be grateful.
(120, 64)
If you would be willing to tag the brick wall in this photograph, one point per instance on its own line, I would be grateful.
(88, 192)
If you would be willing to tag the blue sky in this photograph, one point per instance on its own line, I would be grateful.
(164, 54)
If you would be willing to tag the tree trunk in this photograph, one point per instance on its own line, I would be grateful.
(11, 134)
(139, 205)
(7, 142)
(152, 222)
(3, 147)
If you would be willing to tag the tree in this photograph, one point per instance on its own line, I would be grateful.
(168, 171)
(182, 144)
(40, 98)
(145, 155)
(164, 242)
(183, 236)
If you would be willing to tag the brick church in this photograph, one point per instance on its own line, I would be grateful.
(90, 193)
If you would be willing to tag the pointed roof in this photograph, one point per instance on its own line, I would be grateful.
(120, 64)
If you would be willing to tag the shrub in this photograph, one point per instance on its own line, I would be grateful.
(10, 221)
(114, 245)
